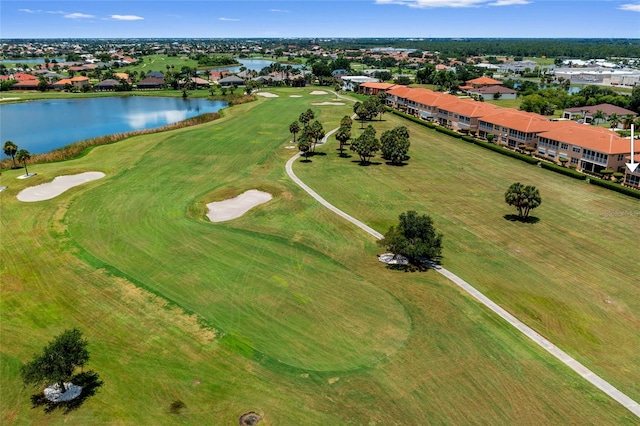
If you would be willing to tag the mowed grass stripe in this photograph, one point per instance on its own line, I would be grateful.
(260, 290)
(568, 276)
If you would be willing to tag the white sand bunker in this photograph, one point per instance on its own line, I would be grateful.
(319, 92)
(57, 186)
(327, 103)
(295, 96)
(220, 211)
(53, 394)
(267, 95)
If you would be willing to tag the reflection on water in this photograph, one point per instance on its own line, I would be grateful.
(145, 120)
(53, 124)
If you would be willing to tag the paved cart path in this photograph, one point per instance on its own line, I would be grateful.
(561, 355)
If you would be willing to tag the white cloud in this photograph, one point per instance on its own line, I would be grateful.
(27, 11)
(508, 2)
(630, 7)
(278, 11)
(423, 4)
(78, 16)
(127, 17)
(228, 19)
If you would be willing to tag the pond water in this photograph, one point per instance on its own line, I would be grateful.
(29, 60)
(250, 64)
(42, 126)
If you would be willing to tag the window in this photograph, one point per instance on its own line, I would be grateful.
(576, 149)
(542, 151)
(551, 154)
(620, 157)
(564, 146)
(574, 161)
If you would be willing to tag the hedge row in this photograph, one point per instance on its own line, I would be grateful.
(526, 158)
(563, 170)
(507, 152)
(615, 187)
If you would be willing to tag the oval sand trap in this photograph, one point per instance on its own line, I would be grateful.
(318, 92)
(57, 186)
(327, 103)
(267, 95)
(295, 96)
(220, 211)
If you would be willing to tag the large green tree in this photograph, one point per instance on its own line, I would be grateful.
(415, 238)
(394, 145)
(366, 145)
(10, 149)
(23, 156)
(524, 198)
(58, 361)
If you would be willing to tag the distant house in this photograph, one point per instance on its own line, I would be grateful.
(586, 112)
(197, 81)
(217, 75)
(230, 81)
(63, 84)
(150, 83)
(26, 85)
(477, 83)
(24, 77)
(493, 92)
(80, 82)
(107, 85)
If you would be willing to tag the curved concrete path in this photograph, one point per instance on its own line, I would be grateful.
(561, 355)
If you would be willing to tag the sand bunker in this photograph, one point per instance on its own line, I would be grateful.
(232, 208)
(295, 96)
(57, 186)
(327, 103)
(319, 92)
(267, 95)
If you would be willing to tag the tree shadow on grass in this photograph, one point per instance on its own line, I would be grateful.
(90, 383)
(516, 218)
(366, 163)
(402, 164)
(314, 154)
(306, 160)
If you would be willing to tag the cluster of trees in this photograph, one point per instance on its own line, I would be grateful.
(394, 145)
(205, 60)
(21, 155)
(321, 67)
(448, 79)
(370, 108)
(311, 132)
(545, 101)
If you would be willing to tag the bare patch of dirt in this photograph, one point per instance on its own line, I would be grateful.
(333, 380)
(249, 419)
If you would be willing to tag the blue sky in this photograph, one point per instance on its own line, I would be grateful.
(320, 18)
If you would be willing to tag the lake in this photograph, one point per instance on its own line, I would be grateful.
(30, 60)
(250, 64)
(42, 126)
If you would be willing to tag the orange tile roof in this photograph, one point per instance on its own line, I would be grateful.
(469, 108)
(80, 78)
(483, 81)
(430, 98)
(400, 91)
(590, 137)
(63, 82)
(527, 122)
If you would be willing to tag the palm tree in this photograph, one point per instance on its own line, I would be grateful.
(10, 150)
(23, 156)
(294, 128)
(598, 117)
(343, 135)
(627, 121)
(614, 120)
(523, 198)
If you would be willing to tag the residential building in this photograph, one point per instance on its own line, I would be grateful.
(493, 92)
(586, 112)
(351, 82)
(587, 148)
(373, 88)
(632, 179)
(463, 115)
(513, 128)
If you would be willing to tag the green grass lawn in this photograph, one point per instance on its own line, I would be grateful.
(570, 276)
(286, 311)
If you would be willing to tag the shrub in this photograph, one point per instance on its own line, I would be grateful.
(468, 139)
(507, 152)
(448, 132)
(563, 171)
